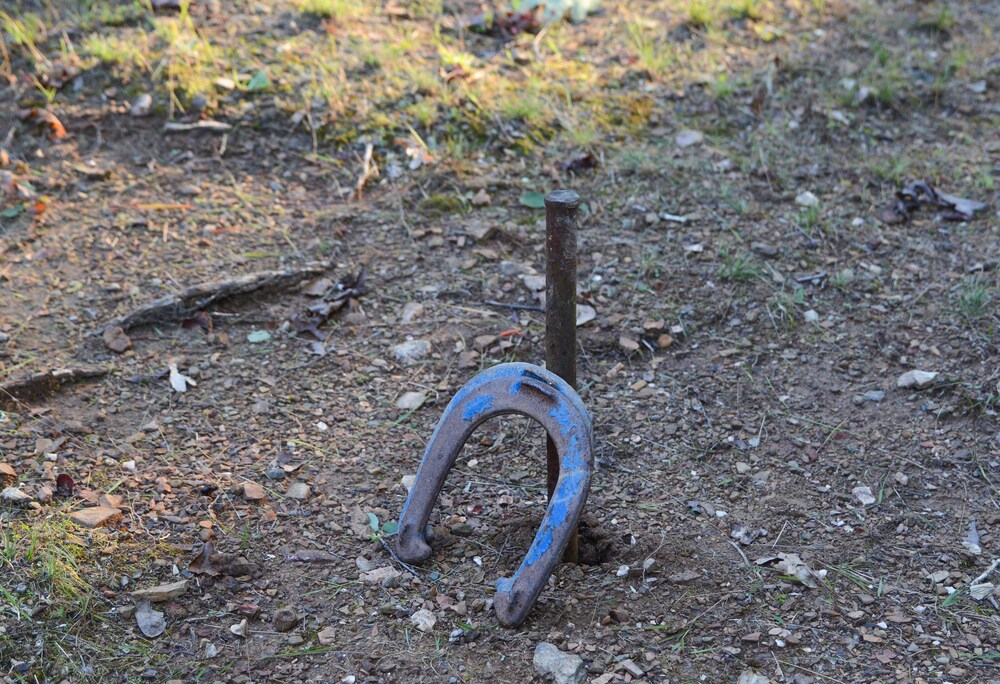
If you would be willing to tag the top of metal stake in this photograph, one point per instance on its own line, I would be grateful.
(562, 198)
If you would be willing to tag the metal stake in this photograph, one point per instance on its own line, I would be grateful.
(560, 313)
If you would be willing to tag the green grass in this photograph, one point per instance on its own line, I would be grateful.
(747, 9)
(737, 267)
(974, 299)
(119, 51)
(653, 55)
(334, 9)
(44, 558)
(702, 13)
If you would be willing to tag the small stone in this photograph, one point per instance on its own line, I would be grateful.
(916, 378)
(585, 313)
(189, 189)
(412, 311)
(751, 637)
(873, 396)
(764, 249)
(628, 344)
(286, 619)
(411, 401)
(162, 592)
(811, 316)
(807, 199)
(142, 105)
(751, 677)
(8, 476)
(299, 491)
(12, 496)
(683, 577)
(116, 340)
(326, 636)
(412, 350)
(901, 478)
(93, 518)
(223, 83)
(253, 492)
(742, 468)
(632, 668)
(664, 340)
(109, 500)
(296, 640)
(939, 577)
(275, 473)
(44, 494)
(424, 620)
(481, 198)
(564, 668)
(864, 495)
(689, 137)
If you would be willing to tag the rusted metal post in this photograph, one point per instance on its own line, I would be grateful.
(560, 314)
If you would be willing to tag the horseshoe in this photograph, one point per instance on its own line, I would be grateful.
(528, 390)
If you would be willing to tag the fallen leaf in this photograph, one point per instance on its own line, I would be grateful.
(151, 622)
(178, 380)
(64, 486)
(971, 542)
(44, 116)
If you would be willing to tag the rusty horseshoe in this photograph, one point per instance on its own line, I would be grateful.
(528, 390)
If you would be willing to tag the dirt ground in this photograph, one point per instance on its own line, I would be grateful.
(760, 296)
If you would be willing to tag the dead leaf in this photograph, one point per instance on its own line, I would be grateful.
(50, 120)
(746, 535)
(151, 622)
(178, 380)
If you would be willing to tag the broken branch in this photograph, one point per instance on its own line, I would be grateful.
(186, 303)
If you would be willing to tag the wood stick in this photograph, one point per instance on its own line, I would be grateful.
(189, 301)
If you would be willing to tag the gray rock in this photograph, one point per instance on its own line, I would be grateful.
(916, 378)
(412, 350)
(764, 249)
(299, 491)
(286, 619)
(873, 396)
(142, 105)
(563, 668)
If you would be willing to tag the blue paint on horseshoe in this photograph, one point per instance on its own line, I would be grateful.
(510, 388)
